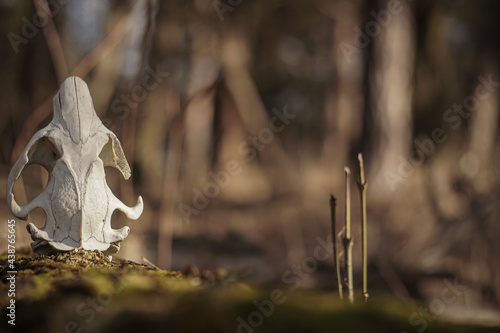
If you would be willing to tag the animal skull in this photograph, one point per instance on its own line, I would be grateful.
(74, 148)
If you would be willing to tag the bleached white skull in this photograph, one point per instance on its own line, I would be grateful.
(74, 148)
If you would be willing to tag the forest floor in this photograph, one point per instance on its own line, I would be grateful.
(84, 291)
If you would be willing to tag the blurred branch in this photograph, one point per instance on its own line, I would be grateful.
(82, 69)
(104, 48)
(53, 40)
(143, 18)
(170, 189)
(242, 87)
(391, 278)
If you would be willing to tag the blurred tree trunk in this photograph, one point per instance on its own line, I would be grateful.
(199, 111)
(390, 83)
(236, 58)
(344, 103)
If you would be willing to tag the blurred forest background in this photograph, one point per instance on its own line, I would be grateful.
(201, 89)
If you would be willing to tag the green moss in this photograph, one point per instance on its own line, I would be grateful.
(85, 289)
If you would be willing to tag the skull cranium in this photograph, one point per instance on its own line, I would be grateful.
(74, 148)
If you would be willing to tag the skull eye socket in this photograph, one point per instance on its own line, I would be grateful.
(44, 152)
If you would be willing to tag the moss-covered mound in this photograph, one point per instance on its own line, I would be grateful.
(83, 291)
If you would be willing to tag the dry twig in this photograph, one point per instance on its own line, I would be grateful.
(348, 243)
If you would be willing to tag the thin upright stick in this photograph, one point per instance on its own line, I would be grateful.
(362, 186)
(347, 239)
(333, 203)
